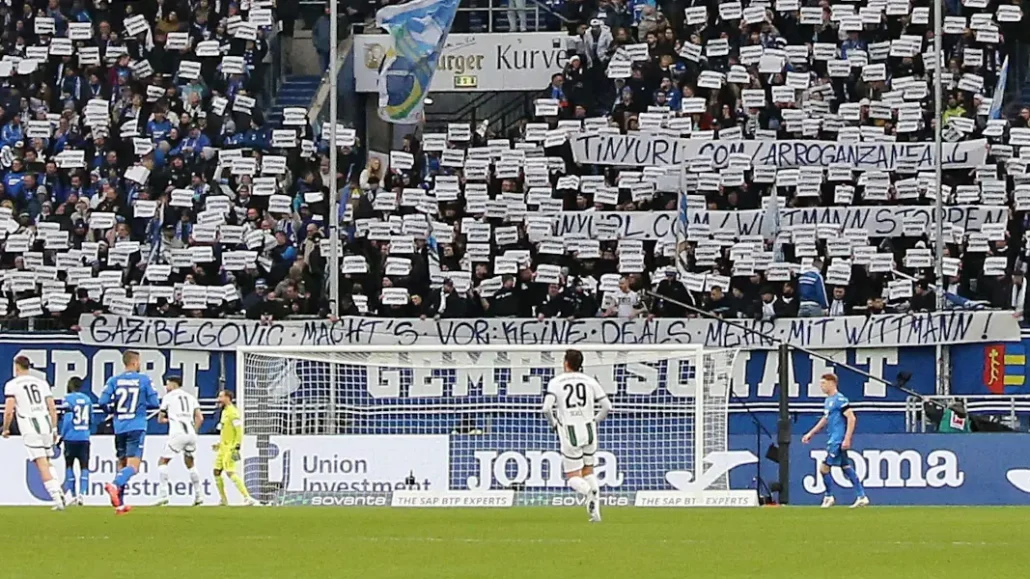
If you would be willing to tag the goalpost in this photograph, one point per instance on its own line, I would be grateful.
(385, 425)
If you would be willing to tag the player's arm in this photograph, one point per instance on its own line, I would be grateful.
(162, 411)
(237, 438)
(603, 403)
(8, 414)
(198, 419)
(51, 407)
(849, 414)
(815, 430)
(105, 397)
(549, 399)
(153, 402)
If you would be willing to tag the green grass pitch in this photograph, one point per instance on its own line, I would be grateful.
(533, 543)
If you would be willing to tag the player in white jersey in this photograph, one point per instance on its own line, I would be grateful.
(181, 411)
(30, 399)
(570, 406)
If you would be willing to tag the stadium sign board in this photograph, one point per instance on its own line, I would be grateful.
(21, 484)
(474, 62)
(923, 469)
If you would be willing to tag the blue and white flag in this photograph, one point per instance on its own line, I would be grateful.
(999, 91)
(419, 30)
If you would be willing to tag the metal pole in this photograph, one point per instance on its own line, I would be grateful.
(938, 149)
(783, 426)
(333, 267)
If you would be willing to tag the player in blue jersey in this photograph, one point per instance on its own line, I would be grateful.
(128, 395)
(75, 432)
(839, 421)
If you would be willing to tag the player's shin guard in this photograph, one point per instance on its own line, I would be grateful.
(162, 471)
(828, 483)
(849, 471)
(236, 480)
(579, 485)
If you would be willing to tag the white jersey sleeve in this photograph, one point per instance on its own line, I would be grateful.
(30, 403)
(574, 396)
(180, 406)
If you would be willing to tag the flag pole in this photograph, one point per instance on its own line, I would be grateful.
(938, 149)
(334, 202)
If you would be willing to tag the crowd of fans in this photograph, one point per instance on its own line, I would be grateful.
(155, 188)
(641, 64)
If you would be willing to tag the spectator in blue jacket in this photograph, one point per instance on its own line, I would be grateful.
(14, 181)
(812, 302)
(320, 38)
(12, 133)
(159, 127)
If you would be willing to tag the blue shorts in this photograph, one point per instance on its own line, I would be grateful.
(129, 444)
(836, 456)
(76, 451)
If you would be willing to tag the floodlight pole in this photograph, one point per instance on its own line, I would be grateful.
(938, 148)
(333, 269)
(940, 353)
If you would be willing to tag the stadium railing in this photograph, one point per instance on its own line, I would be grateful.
(1009, 408)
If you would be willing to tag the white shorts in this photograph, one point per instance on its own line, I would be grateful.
(578, 446)
(180, 444)
(38, 445)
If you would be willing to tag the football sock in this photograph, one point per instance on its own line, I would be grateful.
(84, 482)
(69, 480)
(592, 481)
(162, 470)
(828, 483)
(220, 482)
(123, 477)
(853, 478)
(54, 488)
(236, 480)
(579, 485)
(195, 479)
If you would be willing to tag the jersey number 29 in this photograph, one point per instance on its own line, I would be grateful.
(575, 395)
(127, 400)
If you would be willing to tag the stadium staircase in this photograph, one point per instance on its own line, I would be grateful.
(503, 109)
(296, 91)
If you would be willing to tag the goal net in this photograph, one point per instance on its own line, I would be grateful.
(364, 422)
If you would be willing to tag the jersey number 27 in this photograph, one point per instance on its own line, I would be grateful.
(127, 400)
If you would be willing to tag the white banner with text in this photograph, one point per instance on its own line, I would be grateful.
(648, 150)
(474, 62)
(878, 221)
(889, 330)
